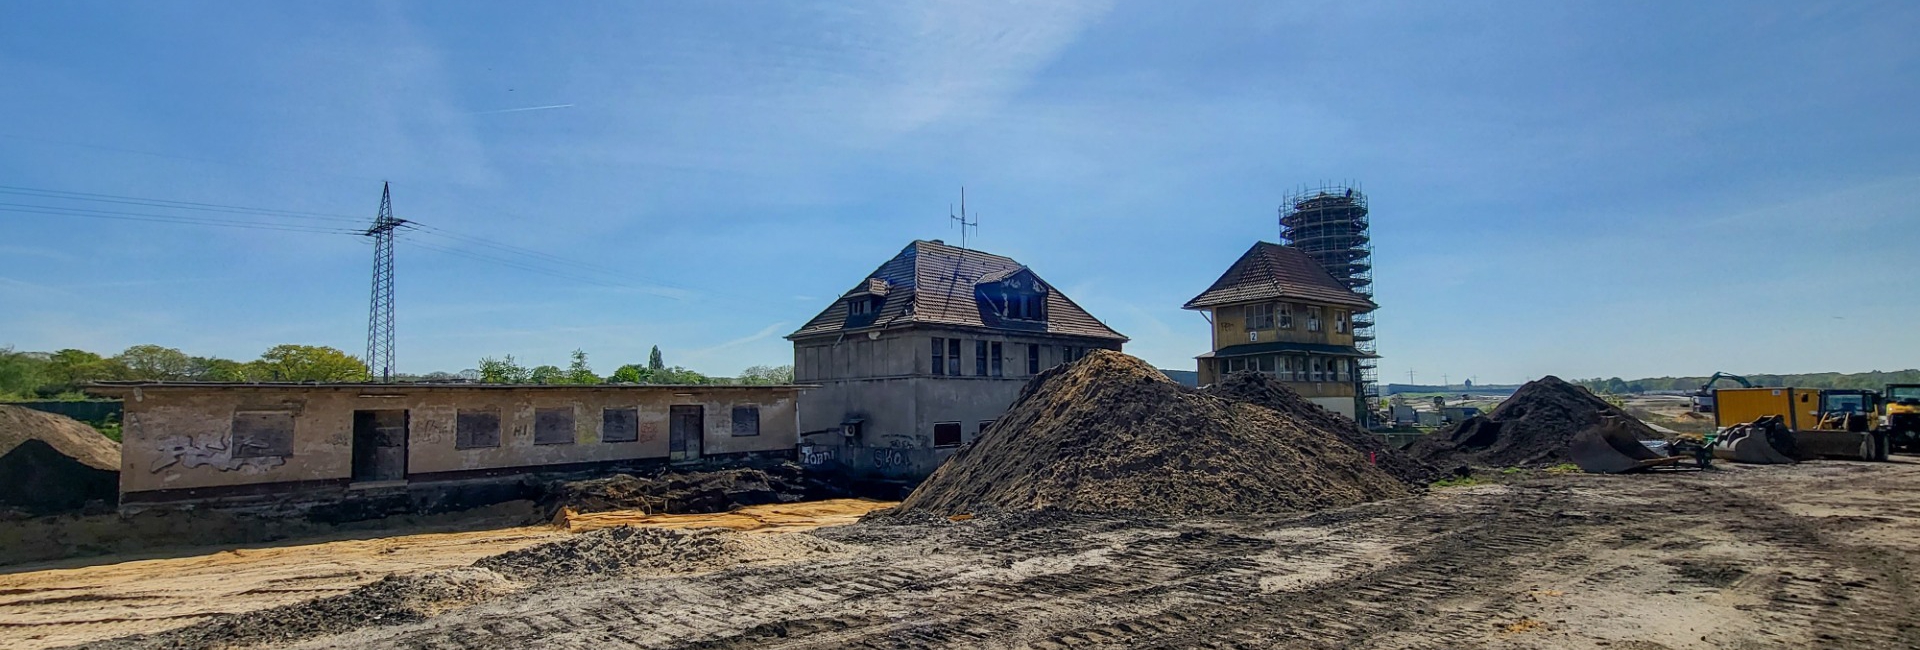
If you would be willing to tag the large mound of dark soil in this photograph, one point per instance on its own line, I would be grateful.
(54, 463)
(1533, 427)
(44, 481)
(1264, 390)
(1110, 434)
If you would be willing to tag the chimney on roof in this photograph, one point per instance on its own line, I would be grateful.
(936, 241)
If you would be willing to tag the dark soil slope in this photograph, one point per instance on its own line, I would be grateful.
(1111, 434)
(1264, 390)
(52, 463)
(1533, 427)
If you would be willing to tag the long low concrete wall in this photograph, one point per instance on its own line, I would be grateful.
(182, 437)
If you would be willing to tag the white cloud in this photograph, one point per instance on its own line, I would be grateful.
(764, 333)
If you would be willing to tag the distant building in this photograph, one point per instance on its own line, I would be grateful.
(924, 353)
(269, 442)
(1278, 312)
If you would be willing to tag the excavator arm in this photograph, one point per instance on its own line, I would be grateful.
(1703, 398)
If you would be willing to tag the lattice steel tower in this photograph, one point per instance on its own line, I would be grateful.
(380, 315)
(1329, 223)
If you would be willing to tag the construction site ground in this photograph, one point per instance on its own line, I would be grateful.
(90, 599)
(1814, 555)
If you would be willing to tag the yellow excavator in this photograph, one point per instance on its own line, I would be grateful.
(1900, 416)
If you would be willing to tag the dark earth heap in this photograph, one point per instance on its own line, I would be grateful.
(1110, 434)
(689, 493)
(52, 464)
(1533, 427)
(1262, 389)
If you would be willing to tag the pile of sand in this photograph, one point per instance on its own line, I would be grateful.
(54, 463)
(1264, 390)
(1533, 427)
(1110, 434)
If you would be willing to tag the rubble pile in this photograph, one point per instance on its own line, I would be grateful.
(67, 464)
(1535, 426)
(613, 551)
(1110, 434)
(687, 493)
(392, 600)
(1262, 389)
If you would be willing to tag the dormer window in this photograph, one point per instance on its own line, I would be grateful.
(1027, 307)
(861, 306)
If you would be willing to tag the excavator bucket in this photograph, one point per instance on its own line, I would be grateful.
(1850, 445)
(1610, 449)
(1755, 443)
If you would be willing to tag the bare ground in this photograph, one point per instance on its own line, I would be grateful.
(95, 598)
(1815, 555)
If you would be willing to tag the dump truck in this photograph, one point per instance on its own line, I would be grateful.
(1831, 423)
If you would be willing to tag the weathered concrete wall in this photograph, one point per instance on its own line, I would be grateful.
(177, 438)
(1341, 405)
(899, 399)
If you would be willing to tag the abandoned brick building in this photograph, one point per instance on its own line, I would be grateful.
(239, 442)
(922, 354)
(1278, 311)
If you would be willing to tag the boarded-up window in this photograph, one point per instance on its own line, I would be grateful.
(553, 426)
(946, 434)
(620, 425)
(260, 434)
(746, 420)
(476, 429)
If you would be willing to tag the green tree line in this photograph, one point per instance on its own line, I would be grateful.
(61, 374)
(1874, 380)
(507, 370)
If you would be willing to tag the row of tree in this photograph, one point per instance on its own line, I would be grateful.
(62, 374)
(507, 370)
(1874, 380)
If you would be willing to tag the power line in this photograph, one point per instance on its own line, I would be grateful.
(173, 219)
(180, 205)
(503, 254)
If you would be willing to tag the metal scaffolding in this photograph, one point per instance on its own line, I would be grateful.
(1329, 222)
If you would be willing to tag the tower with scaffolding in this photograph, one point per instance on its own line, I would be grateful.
(1329, 223)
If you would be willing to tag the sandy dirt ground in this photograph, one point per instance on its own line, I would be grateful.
(1820, 555)
(54, 607)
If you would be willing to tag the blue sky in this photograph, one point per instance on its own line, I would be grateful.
(1574, 188)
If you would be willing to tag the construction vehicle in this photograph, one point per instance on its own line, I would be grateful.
(1610, 448)
(1703, 398)
(1900, 416)
(1760, 425)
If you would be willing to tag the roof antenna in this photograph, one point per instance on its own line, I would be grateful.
(962, 218)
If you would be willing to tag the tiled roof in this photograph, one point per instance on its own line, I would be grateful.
(933, 283)
(1270, 271)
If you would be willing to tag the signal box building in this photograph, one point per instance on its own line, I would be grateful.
(924, 353)
(1278, 311)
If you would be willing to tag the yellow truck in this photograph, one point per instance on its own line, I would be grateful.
(1838, 423)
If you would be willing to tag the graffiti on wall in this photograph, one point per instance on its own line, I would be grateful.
(813, 455)
(213, 451)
